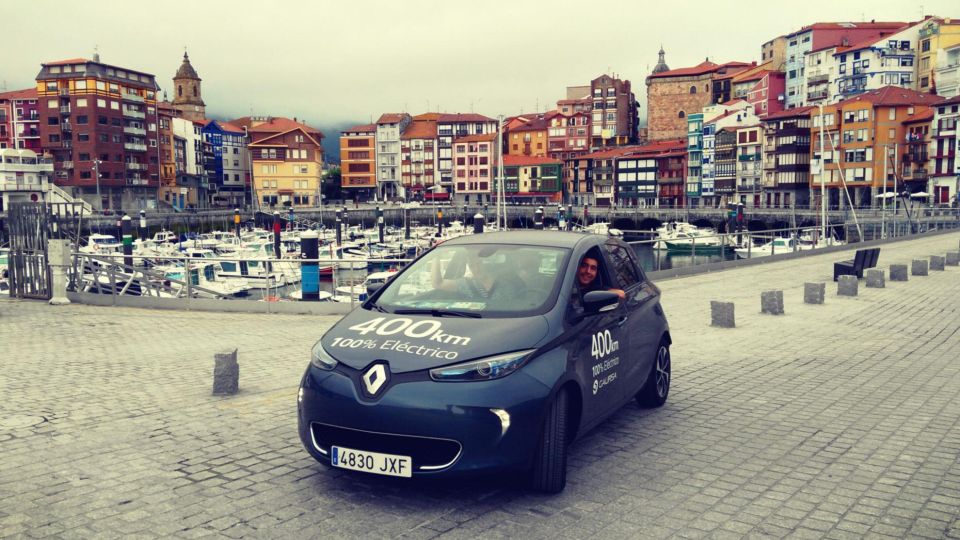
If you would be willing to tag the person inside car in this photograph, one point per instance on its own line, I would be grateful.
(588, 278)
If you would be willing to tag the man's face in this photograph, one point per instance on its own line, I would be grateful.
(587, 271)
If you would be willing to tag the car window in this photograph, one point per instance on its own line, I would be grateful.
(624, 271)
(487, 279)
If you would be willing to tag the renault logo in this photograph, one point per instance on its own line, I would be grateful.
(375, 378)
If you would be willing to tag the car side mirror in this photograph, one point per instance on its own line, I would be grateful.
(600, 302)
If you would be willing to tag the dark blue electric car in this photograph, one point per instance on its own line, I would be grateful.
(489, 352)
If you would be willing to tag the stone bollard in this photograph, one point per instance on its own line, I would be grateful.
(919, 267)
(847, 286)
(59, 257)
(813, 293)
(953, 258)
(226, 373)
(898, 272)
(771, 302)
(721, 314)
(936, 262)
(875, 279)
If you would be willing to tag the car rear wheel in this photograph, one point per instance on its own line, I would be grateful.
(549, 473)
(655, 390)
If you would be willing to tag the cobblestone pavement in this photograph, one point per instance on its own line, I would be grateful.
(831, 421)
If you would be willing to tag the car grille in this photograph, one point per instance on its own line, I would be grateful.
(427, 453)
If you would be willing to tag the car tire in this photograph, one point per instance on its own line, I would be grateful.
(549, 474)
(655, 391)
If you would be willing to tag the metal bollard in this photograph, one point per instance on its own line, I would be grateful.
(309, 268)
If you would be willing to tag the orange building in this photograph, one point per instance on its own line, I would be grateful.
(858, 132)
(358, 156)
(526, 135)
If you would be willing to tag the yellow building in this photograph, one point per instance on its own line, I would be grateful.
(935, 35)
(287, 158)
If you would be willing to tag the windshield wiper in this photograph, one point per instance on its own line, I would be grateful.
(378, 308)
(438, 313)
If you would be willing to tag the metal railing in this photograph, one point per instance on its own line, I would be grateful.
(108, 274)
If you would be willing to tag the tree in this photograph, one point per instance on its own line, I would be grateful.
(331, 183)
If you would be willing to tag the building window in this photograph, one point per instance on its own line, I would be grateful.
(681, 114)
(693, 89)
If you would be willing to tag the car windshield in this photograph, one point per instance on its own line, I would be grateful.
(478, 279)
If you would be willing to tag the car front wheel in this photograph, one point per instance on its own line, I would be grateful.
(655, 390)
(549, 473)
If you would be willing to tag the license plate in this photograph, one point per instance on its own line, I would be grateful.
(371, 462)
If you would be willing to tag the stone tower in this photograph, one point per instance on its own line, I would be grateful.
(187, 95)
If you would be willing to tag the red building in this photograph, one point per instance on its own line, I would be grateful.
(100, 123)
(19, 120)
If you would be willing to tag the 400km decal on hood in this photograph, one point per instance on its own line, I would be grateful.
(425, 330)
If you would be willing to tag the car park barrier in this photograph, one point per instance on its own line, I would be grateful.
(953, 258)
(848, 286)
(226, 373)
(771, 302)
(919, 267)
(876, 279)
(721, 314)
(898, 272)
(813, 293)
(937, 262)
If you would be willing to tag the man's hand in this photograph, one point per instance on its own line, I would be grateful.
(619, 292)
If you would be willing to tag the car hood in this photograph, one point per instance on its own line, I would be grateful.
(417, 342)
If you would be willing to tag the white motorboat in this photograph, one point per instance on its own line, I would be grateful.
(684, 237)
(204, 276)
(777, 246)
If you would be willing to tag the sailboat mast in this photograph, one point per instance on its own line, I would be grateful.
(501, 204)
(823, 185)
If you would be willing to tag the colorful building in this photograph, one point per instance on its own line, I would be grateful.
(474, 158)
(20, 120)
(100, 123)
(531, 179)
(694, 159)
(418, 158)
(817, 37)
(888, 59)
(947, 74)
(526, 135)
(749, 165)
(786, 158)
(287, 160)
(358, 162)
(229, 172)
(188, 93)
(945, 176)
(864, 141)
(454, 126)
(939, 47)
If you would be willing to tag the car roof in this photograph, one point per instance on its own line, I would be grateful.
(527, 237)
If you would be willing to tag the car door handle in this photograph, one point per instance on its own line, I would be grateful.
(622, 320)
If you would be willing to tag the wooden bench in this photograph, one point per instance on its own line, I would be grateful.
(864, 258)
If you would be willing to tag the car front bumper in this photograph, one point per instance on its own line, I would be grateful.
(447, 428)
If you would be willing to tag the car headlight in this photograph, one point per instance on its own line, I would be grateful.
(484, 369)
(321, 359)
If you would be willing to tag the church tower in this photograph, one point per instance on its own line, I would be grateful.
(661, 63)
(187, 96)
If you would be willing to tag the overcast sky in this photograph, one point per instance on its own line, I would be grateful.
(334, 62)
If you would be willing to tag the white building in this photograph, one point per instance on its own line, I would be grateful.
(389, 128)
(945, 151)
(948, 72)
(877, 62)
(24, 177)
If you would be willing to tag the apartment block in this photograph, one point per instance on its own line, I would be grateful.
(418, 159)
(229, 170)
(945, 174)
(20, 120)
(786, 158)
(358, 161)
(454, 126)
(389, 128)
(614, 112)
(532, 179)
(474, 158)
(100, 123)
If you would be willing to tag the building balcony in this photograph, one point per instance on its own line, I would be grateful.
(135, 147)
(64, 109)
(793, 148)
(749, 157)
(133, 98)
(136, 166)
(130, 113)
(817, 95)
(915, 174)
(66, 165)
(137, 181)
(66, 127)
(749, 186)
(817, 79)
(129, 130)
